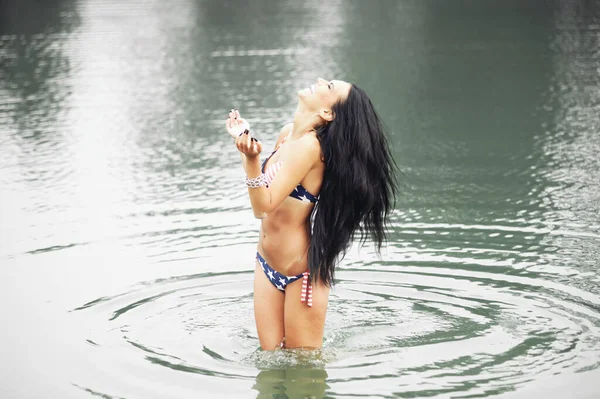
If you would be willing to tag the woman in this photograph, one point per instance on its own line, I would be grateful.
(330, 175)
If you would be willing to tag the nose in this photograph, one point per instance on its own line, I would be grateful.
(321, 81)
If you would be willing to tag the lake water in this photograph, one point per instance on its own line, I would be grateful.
(127, 238)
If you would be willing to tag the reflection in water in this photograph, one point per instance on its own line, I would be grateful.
(291, 383)
(35, 69)
(116, 111)
(571, 141)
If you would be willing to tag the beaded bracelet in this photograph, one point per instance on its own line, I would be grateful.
(256, 182)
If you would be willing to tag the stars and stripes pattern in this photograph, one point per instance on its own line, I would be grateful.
(280, 281)
(303, 195)
(299, 192)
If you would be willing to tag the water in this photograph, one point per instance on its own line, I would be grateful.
(127, 240)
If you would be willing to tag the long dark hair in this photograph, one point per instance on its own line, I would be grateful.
(359, 185)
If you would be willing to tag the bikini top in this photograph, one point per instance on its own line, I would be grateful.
(299, 192)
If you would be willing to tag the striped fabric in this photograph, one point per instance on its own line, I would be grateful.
(306, 293)
(272, 171)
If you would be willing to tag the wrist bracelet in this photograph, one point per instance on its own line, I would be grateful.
(256, 182)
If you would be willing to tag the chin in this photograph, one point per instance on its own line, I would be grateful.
(303, 93)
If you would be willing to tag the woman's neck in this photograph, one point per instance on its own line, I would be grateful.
(304, 122)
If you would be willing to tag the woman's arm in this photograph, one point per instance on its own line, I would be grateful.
(299, 162)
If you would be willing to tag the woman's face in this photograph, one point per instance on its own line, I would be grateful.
(324, 94)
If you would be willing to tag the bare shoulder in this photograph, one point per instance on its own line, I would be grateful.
(310, 147)
(285, 130)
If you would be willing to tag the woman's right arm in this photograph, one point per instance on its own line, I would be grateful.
(265, 199)
(283, 133)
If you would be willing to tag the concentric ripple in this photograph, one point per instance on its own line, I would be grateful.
(126, 235)
(440, 330)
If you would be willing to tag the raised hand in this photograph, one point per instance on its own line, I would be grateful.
(239, 129)
(235, 125)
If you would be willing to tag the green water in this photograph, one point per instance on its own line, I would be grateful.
(127, 238)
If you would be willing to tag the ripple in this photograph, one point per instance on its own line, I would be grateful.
(115, 165)
(458, 330)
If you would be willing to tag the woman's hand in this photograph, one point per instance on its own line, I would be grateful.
(239, 129)
(235, 125)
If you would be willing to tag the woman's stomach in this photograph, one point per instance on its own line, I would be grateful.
(284, 246)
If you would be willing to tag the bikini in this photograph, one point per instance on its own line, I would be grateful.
(278, 280)
(299, 192)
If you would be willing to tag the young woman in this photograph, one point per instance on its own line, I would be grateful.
(330, 175)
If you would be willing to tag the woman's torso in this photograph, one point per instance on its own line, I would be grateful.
(285, 232)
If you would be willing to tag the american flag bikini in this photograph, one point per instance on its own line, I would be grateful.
(306, 294)
(300, 193)
(277, 279)
(280, 281)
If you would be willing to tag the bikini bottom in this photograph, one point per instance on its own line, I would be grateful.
(280, 281)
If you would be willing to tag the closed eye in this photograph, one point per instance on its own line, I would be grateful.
(329, 85)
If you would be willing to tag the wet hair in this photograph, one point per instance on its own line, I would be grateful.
(359, 185)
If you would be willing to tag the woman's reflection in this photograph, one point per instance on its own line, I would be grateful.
(291, 383)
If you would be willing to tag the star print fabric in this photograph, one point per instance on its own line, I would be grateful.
(299, 192)
(280, 281)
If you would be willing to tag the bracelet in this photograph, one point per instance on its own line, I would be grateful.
(256, 182)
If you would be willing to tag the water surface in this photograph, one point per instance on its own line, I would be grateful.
(127, 239)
